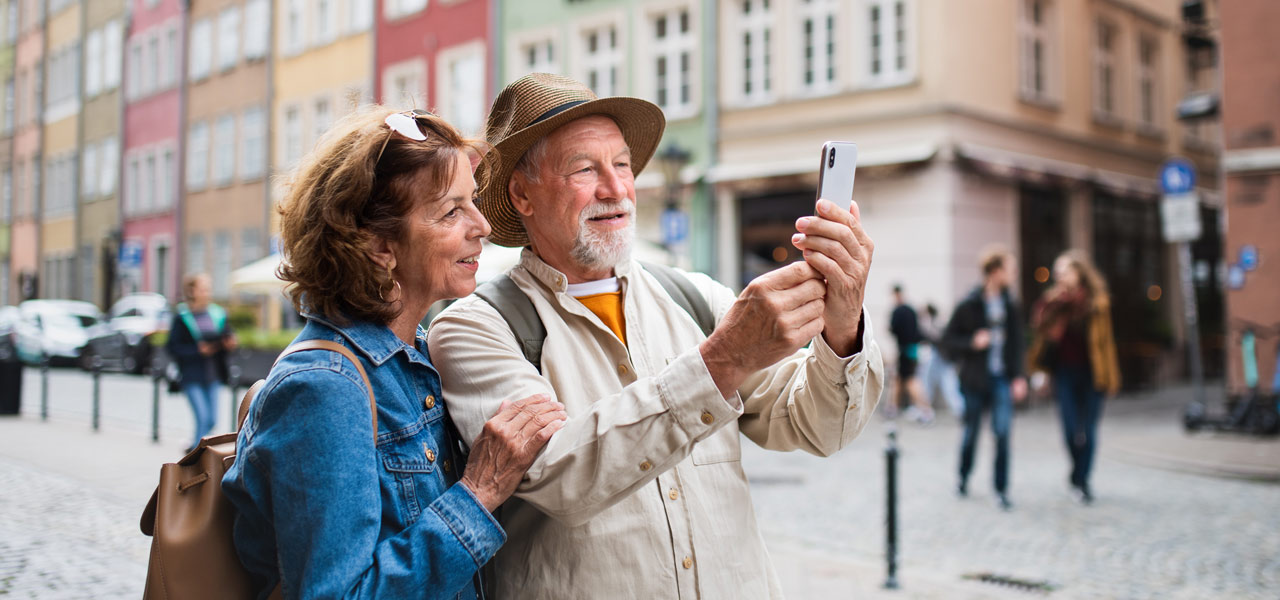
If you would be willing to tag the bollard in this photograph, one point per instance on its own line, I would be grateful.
(155, 405)
(891, 508)
(233, 377)
(97, 392)
(44, 386)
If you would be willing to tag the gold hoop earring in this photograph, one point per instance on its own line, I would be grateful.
(395, 285)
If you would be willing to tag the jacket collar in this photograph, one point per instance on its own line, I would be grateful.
(553, 279)
(375, 341)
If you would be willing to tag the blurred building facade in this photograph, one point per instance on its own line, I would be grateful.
(1036, 124)
(60, 148)
(8, 40)
(1251, 163)
(98, 224)
(25, 149)
(155, 70)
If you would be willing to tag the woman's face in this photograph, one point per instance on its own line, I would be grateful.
(438, 256)
(201, 291)
(1065, 273)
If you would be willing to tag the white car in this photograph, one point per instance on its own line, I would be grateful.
(58, 329)
(125, 344)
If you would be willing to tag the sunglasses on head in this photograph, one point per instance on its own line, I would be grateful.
(406, 124)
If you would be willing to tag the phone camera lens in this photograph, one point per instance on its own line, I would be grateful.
(831, 158)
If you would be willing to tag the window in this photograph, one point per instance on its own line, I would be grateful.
(165, 178)
(197, 156)
(602, 58)
(292, 136)
(151, 67)
(132, 179)
(224, 150)
(755, 23)
(250, 246)
(889, 42)
(8, 105)
(322, 117)
(1036, 50)
(169, 60)
(404, 84)
(89, 173)
(462, 92)
(201, 49)
(222, 264)
(818, 51)
(395, 9)
(195, 254)
(147, 183)
(93, 63)
(64, 82)
(108, 162)
(539, 57)
(253, 136)
(359, 15)
(112, 54)
(257, 32)
(294, 26)
(11, 34)
(135, 69)
(6, 196)
(326, 21)
(88, 281)
(1104, 71)
(673, 74)
(1148, 62)
(228, 37)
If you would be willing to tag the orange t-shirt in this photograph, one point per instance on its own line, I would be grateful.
(608, 306)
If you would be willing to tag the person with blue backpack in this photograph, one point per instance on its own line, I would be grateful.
(199, 342)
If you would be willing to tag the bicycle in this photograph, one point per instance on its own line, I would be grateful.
(1256, 411)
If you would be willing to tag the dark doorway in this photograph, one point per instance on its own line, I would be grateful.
(1043, 236)
(767, 223)
(1131, 256)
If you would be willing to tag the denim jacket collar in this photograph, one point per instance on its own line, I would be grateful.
(556, 281)
(374, 340)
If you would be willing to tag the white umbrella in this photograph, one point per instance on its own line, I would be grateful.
(259, 277)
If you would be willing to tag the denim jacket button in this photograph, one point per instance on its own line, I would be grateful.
(430, 402)
(431, 454)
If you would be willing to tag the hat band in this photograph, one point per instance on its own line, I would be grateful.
(557, 110)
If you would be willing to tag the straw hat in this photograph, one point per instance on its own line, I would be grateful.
(534, 106)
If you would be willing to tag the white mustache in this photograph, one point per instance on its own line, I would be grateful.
(610, 208)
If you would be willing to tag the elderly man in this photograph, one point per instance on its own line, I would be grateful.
(642, 493)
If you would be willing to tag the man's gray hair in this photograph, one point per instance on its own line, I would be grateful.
(531, 163)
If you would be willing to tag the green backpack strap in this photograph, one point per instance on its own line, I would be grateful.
(517, 309)
(685, 294)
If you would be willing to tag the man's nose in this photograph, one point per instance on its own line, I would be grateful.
(612, 184)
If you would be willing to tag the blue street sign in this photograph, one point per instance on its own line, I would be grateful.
(675, 226)
(130, 254)
(1249, 257)
(1177, 176)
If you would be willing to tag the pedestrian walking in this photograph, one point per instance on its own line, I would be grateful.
(332, 501)
(200, 341)
(1075, 344)
(904, 324)
(941, 385)
(985, 334)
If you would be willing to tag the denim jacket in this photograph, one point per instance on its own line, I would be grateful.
(320, 506)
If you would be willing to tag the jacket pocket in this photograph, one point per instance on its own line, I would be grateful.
(410, 463)
(720, 447)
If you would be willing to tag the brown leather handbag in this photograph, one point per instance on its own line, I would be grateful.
(193, 556)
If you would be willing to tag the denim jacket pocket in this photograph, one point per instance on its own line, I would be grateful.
(411, 462)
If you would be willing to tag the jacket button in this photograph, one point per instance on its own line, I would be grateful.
(431, 454)
(707, 419)
(622, 369)
(448, 466)
(688, 562)
(646, 465)
(430, 402)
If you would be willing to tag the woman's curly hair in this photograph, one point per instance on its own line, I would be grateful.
(342, 197)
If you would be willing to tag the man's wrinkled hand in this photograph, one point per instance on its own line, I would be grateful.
(837, 246)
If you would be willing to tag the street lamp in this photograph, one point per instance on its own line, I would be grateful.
(675, 223)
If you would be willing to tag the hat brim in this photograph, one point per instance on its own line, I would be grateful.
(641, 122)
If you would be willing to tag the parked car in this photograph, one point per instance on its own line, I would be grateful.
(124, 344)
(58, 329)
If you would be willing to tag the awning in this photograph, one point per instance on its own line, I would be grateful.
(868, 156)
(1038, 169)
(258, 277)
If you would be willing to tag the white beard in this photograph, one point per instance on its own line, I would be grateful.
(596, 250)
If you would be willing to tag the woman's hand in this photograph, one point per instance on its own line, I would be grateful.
(507, 446)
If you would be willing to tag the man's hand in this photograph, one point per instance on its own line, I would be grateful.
(981, 339)
(507, 446)
(1018, 388)
(208, 348)
(835, 244)
(777, 314)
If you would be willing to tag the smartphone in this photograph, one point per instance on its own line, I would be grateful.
(835, 176)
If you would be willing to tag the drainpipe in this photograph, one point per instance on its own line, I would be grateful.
(711, 120)
(126, 24)
(179, 240)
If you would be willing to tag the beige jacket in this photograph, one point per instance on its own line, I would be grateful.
(642, 494)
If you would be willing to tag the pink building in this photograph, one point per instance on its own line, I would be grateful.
(436, 55)
(154, 67)
(29, 78)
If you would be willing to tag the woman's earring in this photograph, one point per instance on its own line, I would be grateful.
(395, 286)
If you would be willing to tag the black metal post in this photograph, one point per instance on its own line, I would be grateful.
(44, 386)
(97, 392)
(233, 374)
(156, 378)
(891, 508)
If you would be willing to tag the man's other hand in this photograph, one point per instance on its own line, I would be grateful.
(835, 244)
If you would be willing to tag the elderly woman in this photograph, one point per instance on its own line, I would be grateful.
(378, 225)
(1074, 343)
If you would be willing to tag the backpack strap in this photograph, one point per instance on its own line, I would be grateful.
(685, 294)
(517, 310)
(312, 345)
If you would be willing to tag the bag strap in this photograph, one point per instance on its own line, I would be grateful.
(518, 311)
(252, 393)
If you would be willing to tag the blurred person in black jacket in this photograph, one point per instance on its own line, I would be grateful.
(199, 342)
(904, 324)
(985, 338)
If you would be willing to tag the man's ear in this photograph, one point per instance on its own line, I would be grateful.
(382, 253)
(518, 191)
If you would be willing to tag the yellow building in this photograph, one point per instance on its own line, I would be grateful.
(62, 275)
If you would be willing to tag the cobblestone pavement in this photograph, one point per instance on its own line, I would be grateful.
(70, 501)
(1150, 534)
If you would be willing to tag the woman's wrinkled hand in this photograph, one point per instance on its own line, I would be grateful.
(507, 446)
